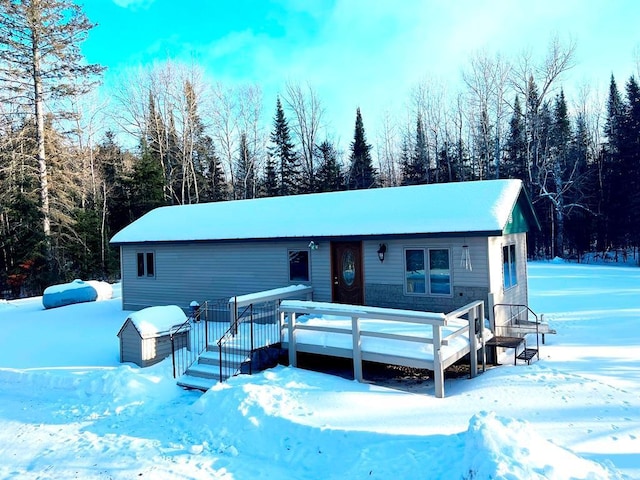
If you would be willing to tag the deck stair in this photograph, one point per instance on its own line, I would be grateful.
(212, 367)
(251, 327)
(513, 334)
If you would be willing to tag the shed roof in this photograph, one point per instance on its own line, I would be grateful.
(480, 207)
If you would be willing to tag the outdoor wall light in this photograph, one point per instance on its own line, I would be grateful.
(313, 245)
(381, 251)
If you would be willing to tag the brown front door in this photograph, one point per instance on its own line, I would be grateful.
(346, 272)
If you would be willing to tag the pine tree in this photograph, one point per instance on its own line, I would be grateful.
(329, 177)
(40, 59)
(613, 174)
(215, 185)
(415, 169)
(514, 165)
(631, 158)
(147, 185)
(245, 174)
(284, 158)
(269, 184)
(559, 170)
(361, 174)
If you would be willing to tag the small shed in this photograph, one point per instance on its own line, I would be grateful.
(145, 336)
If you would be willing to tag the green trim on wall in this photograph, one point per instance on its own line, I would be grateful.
(517, 222)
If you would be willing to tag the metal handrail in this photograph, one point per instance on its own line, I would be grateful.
(197, 324)
(521, 305)
(232, 331)
(186, 326)
(515, 305)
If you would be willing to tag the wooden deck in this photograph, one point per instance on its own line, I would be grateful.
(409, 338)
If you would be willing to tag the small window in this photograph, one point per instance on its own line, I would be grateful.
(141, 264)
(434, 281)
(146, 264)
(298, 266)
(509, 272)
(150, 265)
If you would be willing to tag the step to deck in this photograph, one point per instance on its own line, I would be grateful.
(213, 358)
(196, 383)
(209, 371)
(527, 354)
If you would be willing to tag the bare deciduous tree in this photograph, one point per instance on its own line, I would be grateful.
(307, 113)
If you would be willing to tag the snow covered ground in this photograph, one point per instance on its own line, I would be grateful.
(68, 409)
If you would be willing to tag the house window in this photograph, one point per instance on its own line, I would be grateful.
(146, 264)
(434, 280)
(509, 272)
(439, 271)
(298, 266)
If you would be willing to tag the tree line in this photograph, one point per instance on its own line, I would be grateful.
(75, 170)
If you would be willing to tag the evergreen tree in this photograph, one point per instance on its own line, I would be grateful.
(614, 177)
(631, 160)
(514, 165)
(362, 174)
(580, 223)
(415, 168)
(329, 177)
(147, 185)
(269, 186)
(215, 185)
(559, 171)
(406, 166)
(245, 174)
(40, 59)
(284, 157)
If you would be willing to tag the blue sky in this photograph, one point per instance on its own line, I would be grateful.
(358, 52)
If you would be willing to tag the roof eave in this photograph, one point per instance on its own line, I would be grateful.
(322, 237)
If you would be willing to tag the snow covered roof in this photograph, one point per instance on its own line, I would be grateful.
(154, 321)
(464, 207)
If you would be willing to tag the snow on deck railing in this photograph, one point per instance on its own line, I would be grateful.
(270, 295)
(275, 294)
(474, 313)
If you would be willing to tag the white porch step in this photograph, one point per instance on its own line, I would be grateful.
(196, 383)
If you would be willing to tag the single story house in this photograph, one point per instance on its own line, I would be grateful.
(430, 247)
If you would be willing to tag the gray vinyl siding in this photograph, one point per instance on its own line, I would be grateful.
(211, 271)
(384, 281)
(321, 272)
(391, 271)
(514, 295)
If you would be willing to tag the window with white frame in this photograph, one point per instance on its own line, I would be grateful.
(509, 272)
(299, 265)
(428, 271)
(146, 264)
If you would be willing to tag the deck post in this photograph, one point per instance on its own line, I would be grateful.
(233, 314)
(280, 319)
(357, 349)
(292, 339)
(482, 343)
(438, 371)
(472, 316)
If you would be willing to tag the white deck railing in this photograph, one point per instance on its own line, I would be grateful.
(240, 301)
(474, 313)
